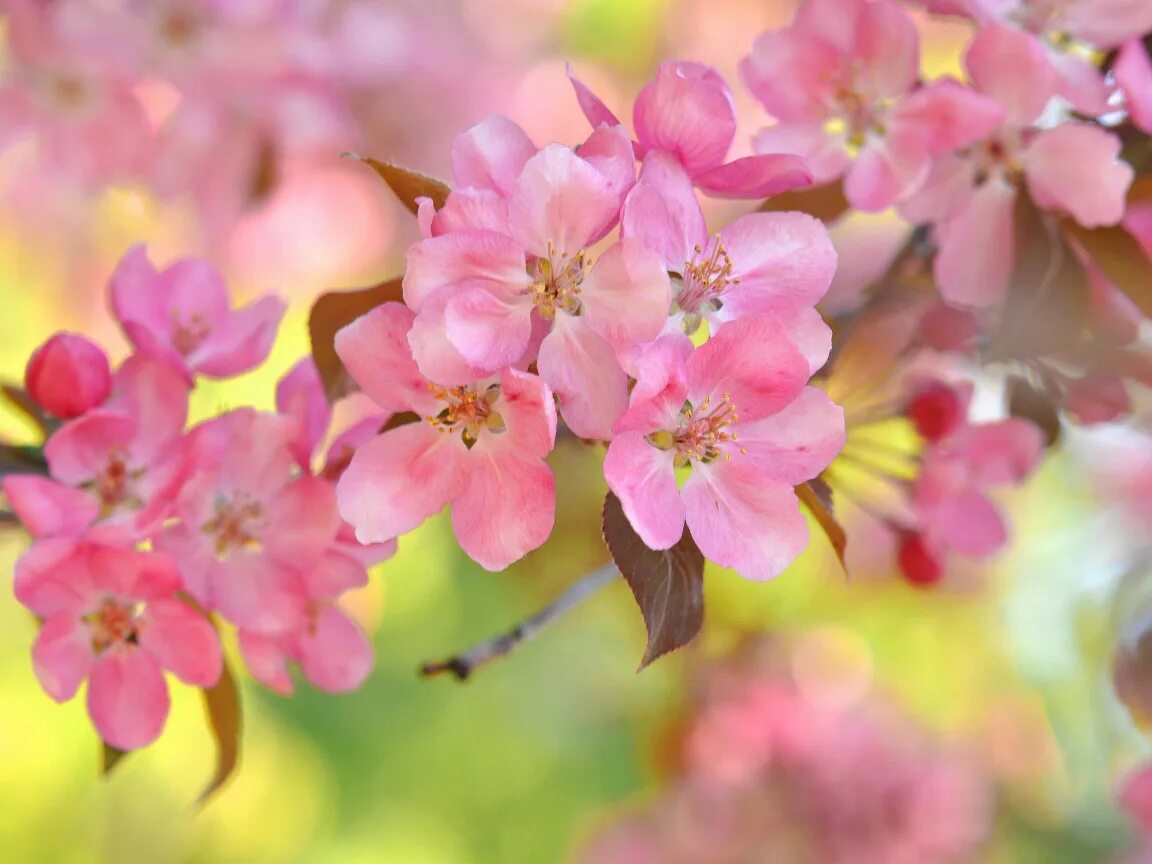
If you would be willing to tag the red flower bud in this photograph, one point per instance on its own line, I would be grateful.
(68, 375)
(919, 563)
(937, 410)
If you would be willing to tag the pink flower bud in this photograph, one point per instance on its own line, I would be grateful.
(937, 410)
(68, 375)
(919, 563)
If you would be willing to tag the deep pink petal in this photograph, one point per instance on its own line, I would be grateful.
(561, 204)
(334, 654)
(976, 247)
(822, 152)
(752, 362)
(644, 479)
(195, 290)
(756, 176)
(46, 508)
(132, 574)
(80, 449)
(485, 257)
(1076, 167)
(1133, 73)
(1004, 452)
(686, 110)
(374, 348)
(302, 521)
(795, 444)
(257, 593)
(804, 325)
(488, 330)
(136, 294)
(68, 375)
(334, 574)
(128, 698)
(787, 256)
(247, 452)
(300, 397)
(62, 655)
(266, 659)
(1011, 67)
(491, 155)
(946, 116)
(591, 388)
(242, 342)
(183, 641)
(969, 524)
(399, 479)
(743, 519)
(52, 576)
(594, 109)
(156, 395)
(661, 373)
(626, 295)
(610, 151)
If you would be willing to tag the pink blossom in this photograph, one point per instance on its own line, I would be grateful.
(735, 411)
(181, 316)
(479, 447)
(937, 409)
(841, 82)
(777, 264)
(686, 112)
(300, 397)
(116, 469)
(492, 297)
(111, 616)
(1073, 168)
(68, 375)
(249, 527)
(1133, 73)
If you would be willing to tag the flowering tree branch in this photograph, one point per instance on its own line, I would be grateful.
(464, 664)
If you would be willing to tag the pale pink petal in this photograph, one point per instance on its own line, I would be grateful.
(256, 593)
(62, 655)
(804, 325)
(265, 658)
(303, 521)
(183, 640)
(561, 203)
(1080, 81)
(128, 698)
(374, 349)
(334, 653)
(157, 396)
(752, 362)
(242, 342)
(594, 109)
(969, 524)
(136, 293)
(471, 209)
(662, 211)
(686, 110)
(1076, 167)
(947, 188)
(46, 508)
(399, 479)
(626, 295)
(195, 291)
(743, 519)
(581, 369)
(797, 443)
(1133, 73)
(644, 479)
(660, 370)
(486, 257)
(489, 331)
(300, 396)
(506, 510)
(246, 451)
(1012, 67)
(436, 358)
(787, 256)
(887, 48)
(610, 151)
(879, 178)
(792, 74)
(1005, 452)
(945, 116)
(823, 152)
(529, 413)
(334, 574)
(756, 177)
(491, 155)
(974, 263)
(1107, 23)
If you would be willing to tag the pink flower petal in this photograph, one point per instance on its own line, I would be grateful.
(489, 331)
(491, 155)
(128, 698)
(506, 510)
(1080, 81)
(1011, 67)
(303, 521)
(661, 373)
(662, 212)
(131, 574)
(80, 450)
(1005, 452)
(627, 294)
(756, 177)
(686, 110)
(156, 395)
(945, 116)
(1133, 73)
(594, 109)
(437, 359)
(256, 593)
(374, 348)
(887, 48)
(477, 257)
(753, 361)
(334, 574)
(823, 153)
(1076, 167)
(53, 576)
(1107, 23)
(974, 263)
(265, 657)
(471, 209)
(581, 369)
(969, 524)
(399, 479)
(183, 641)
(744, 520)
(795, 444)
(136, 293)
(792, 73)
(300, 397)
(46, 508)
(334, 653)
(643, 478)
(242, 342)
(787, 256)
(529, 414)
(610, 151)
(62, 655)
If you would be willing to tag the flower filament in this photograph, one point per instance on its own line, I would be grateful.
(702, 434)
(467, 411)
(556, 282)
(704, 281)
(114, 622)
(113, 486)
(237, 524)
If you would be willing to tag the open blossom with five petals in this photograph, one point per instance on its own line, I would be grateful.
(841, 82)
(111, 616)
(686, 112)
(181, 315)
(777, 264)
(736, 412)
(115, 470)
(477, 446)
(248, 525)
(1073, 168)
(527, 290)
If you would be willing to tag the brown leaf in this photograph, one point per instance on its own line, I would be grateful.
(826, 202)
(407, 185)
(668, 585)
(1121, 258)
(1027, 402)
(330, 313)
(110, 757)
(222, 705)
(812, 495)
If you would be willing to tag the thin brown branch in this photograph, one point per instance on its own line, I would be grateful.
(464, 664)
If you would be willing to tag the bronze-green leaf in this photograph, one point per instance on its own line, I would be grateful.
(110, 757)
(826, 202)
(668, 584)
(407, 185)
(1121, 258)
(222, 705)
(816, 495)
(329, 314)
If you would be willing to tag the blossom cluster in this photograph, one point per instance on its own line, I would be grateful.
(144, 531)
